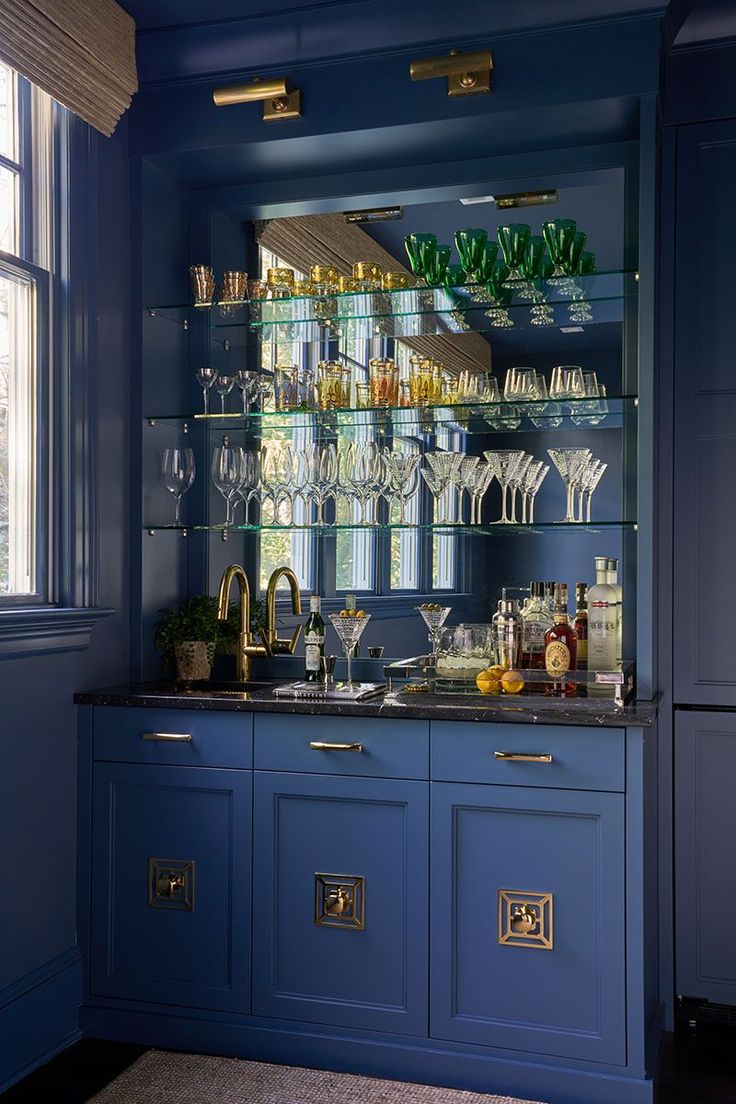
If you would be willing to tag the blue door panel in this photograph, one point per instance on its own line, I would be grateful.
(373, 829)
(150, 820)
(493, 844)
(705, 830)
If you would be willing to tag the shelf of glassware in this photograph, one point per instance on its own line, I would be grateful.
(497, 529)
(475, 418)
(420, 311)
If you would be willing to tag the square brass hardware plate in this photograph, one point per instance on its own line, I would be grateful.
(525, 919)
(339, 901)
(171, 884)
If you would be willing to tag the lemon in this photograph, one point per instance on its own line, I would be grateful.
(512, 682)
(487, 682)
(496, 672)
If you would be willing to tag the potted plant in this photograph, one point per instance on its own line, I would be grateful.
(189, 637)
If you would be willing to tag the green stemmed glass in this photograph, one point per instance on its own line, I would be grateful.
(579, 309)
(470, 245)
(574, 252)
(455, 276)
(484, 270)
(558, 234)
(514, 239)
(586, 264)
(500, 296)
(437, 265)
(531, 265)
(541, 312)
(420, 249)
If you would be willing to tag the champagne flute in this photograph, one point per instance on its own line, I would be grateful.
(178, 469)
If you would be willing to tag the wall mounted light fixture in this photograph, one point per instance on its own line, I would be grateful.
(278, 101)
(467, 74)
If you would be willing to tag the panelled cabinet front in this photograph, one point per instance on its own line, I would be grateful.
(527, 920)
(170, 885)
(340, 924)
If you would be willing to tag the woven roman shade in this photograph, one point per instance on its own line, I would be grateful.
(330, 240)
(81, 52)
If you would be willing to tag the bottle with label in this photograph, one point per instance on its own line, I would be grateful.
(536, 619)
(581, 624)
(613, 581)
(314, 640)
(602, 620)
(561, 643)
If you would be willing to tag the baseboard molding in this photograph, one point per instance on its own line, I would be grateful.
(317, 1048)
(39, 1016)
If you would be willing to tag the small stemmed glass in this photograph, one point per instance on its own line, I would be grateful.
(247, 384)
(223, 387)
(505, 462)
(535, 476)
(402, 469)
(588, 479)
(205, 377)
(228, 475)
(569, 462)
(434, 619)
(483, 476)
(178, 470)
(350, 630)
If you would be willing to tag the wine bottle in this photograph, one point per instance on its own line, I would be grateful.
(314, 640)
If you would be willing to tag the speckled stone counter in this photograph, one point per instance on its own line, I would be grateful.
(582, 711)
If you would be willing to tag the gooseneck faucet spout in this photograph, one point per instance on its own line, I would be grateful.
(245, 648)
(277, 645)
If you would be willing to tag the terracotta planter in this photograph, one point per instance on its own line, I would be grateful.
(193, 659)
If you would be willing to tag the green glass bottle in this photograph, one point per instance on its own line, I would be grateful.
(314, 640)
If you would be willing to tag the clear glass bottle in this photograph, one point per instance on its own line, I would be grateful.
(581, 624)
(536, 619)
(613, 580)
(561, 644)
(602, 620)
(314, 640)
(549, 595)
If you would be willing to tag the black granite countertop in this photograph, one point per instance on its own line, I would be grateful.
(582, 711)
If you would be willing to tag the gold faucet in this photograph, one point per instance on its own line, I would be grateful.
(245, 648)
(277, 645)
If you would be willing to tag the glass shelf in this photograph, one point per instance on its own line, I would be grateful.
(494, 530)
(413, 312)
(421, 421)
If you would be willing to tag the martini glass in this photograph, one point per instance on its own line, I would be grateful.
(434, 619)
(530, 484)
(516, 480)
(505, 462)
(350, 630)
(569, 462)
(514, 240)
(205, 377)
(483, 476)
(420, 249)
(470, 245)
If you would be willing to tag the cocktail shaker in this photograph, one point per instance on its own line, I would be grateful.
(506, 629)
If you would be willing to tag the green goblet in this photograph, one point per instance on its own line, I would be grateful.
(500, 296)
(514, 239)
(436, 269)
(558, 234)
(420, 249)
(586, 264)
(455, 276)
(574, 252)
(470, 245)
(530, 265)
(541, 312)
(485, 269)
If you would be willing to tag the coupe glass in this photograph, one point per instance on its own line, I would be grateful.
(228, 475)
(178, 470)
(514, 239)
(505, 463)
(205, 377)
(223, 387)
(436, 270)
(470, 245)
(402, 469)
(483, 476)
(247, 384)
(434, 619)
(568, 462)
(535, 475)
(350, 630)
(558, 234)
(420, 249)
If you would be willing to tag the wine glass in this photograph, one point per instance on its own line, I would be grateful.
(434, 617)
(505, 462)
(251, 477)
(223, 387)
(178, 469)
(205, 377)
(436, 270)
(350, 630)
(568, 462)
(228, 475)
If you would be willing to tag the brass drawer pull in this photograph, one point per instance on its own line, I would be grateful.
(173, 737)
(524, 756)
(320, 745)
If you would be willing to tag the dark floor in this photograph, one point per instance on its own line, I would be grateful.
(693, 1070)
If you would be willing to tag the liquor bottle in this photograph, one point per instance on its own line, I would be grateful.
(314, 640)
(549, 596)
(581, 624)
(613, 581)
(536, 619)
(602, 620)
(561, 643)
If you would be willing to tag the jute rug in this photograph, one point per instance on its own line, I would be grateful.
(161, 1077)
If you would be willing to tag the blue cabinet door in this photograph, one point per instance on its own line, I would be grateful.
(705, 415)
(363, 965)
(527, 920)
(705, 864)
(171, 885)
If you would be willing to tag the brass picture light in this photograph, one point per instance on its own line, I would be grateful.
(467, 74)
(278, 101)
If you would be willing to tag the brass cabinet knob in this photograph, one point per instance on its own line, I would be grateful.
(523, 919)
(337, 901)
(168, 884)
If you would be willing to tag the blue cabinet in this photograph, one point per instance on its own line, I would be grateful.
(705, 876)
(170, 885)
(705, 415)
(528, 921)
(360, 962)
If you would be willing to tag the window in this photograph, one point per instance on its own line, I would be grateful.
(354, 558)
(25, 199)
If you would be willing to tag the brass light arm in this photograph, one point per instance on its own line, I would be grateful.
(246, 649)
(277, 645)
(466, 74)
(279, 102)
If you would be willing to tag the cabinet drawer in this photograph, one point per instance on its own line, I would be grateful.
(139, 736)
(579, 758)
(388, 748)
